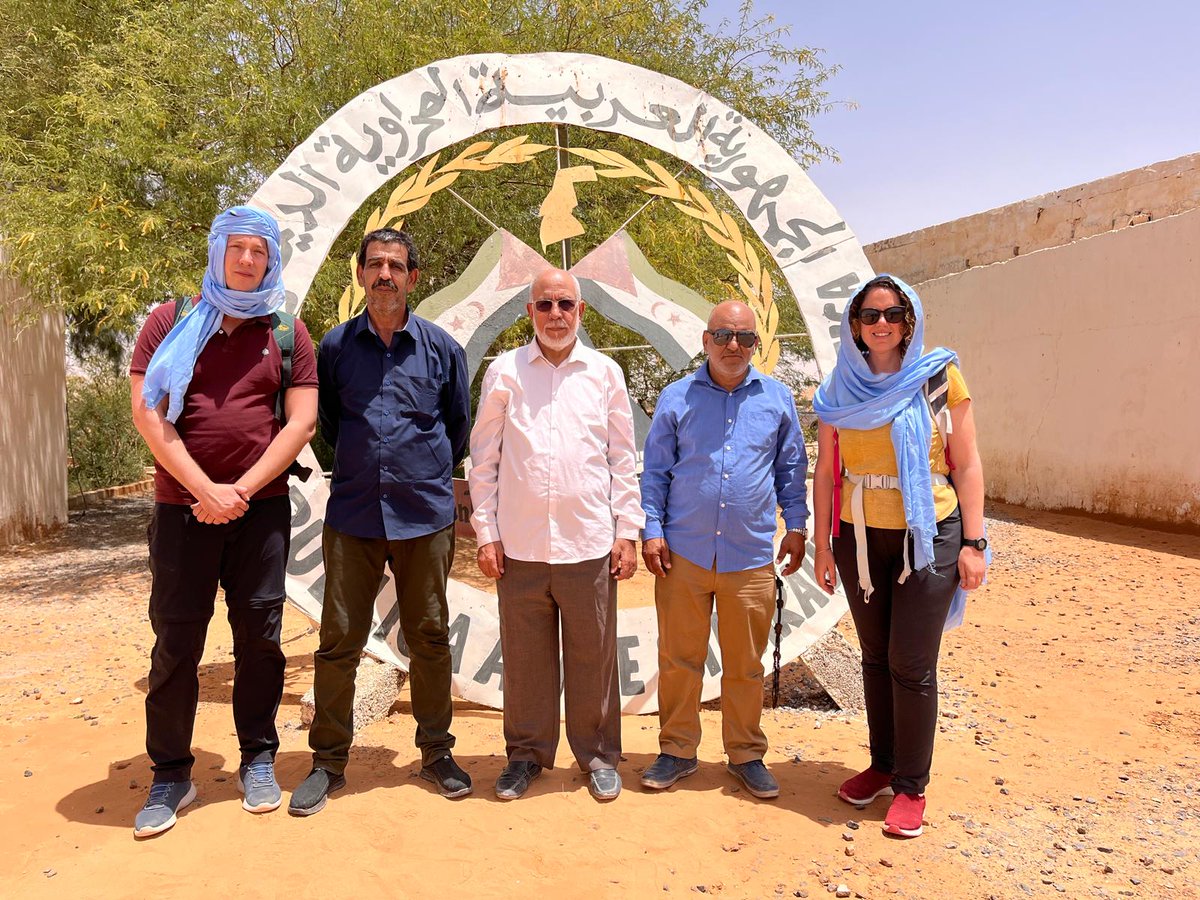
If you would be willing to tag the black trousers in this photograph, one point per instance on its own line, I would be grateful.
(188, 560)
(900, 632)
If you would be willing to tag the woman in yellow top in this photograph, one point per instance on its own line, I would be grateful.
(909, 531)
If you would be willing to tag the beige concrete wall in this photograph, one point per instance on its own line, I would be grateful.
(1085, 364)
(33, 423)
(1039, 223)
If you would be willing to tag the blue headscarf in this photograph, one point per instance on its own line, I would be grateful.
(170, 370)
(855, 397)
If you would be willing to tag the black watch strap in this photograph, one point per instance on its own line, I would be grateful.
(977, 543)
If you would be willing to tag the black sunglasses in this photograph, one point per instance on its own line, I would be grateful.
(723, 336)
(895, 315)
(565, 304)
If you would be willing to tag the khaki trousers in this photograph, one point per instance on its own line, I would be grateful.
(534, 599)
(745, 603)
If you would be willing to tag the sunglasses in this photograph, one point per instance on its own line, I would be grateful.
(565, 304)
(723, 336)
(895, 315)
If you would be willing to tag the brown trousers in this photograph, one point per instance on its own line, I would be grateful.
(534, 599)
(745, 605)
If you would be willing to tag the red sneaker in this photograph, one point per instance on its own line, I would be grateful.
(906, 815)
(865, 787)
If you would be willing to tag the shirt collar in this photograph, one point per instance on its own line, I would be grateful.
(752, 375)
(534, 352)
(362, 322)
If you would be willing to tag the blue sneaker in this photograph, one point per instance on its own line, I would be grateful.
(166, 799)
(755, 778)
(257, 782)
(666, 770)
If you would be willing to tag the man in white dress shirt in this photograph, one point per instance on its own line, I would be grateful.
(557, 512)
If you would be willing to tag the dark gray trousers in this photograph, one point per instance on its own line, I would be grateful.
(534, 599)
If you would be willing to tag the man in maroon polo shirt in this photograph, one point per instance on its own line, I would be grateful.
(205, 390)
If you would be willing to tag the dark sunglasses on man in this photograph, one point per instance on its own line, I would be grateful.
(565, 304)
(894, 314)
(723, 336)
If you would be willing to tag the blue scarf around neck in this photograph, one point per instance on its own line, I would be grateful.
(170, 370)
(855, 397)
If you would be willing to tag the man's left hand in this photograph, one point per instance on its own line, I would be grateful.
(792, 546)
(624, 559)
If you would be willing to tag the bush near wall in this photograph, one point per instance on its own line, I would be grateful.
(103, 442)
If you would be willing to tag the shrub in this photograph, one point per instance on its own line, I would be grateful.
(106, 447)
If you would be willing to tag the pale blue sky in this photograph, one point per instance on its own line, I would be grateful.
(967, 106)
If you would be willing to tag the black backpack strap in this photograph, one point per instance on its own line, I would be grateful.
(283, 326)
(182, 308)
(937, 395)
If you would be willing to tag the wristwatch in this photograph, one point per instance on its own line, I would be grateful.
(977, 543)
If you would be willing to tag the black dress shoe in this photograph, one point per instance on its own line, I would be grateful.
(449, 777)
(514, 780)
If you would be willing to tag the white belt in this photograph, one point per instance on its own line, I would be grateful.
(876, 483)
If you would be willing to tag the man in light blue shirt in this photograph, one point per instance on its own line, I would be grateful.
(724, 450)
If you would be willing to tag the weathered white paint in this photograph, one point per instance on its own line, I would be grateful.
(1049, 220)
(1083, 359)
(33, 422)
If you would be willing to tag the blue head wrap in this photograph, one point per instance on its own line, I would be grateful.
(855, 397)
(170, 370)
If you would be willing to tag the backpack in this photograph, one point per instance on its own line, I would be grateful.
(283, 327)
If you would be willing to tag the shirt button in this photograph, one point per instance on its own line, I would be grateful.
(718, 534)
(722, 506)
(385, 440)
(726, 475)
(388, 355)
(727, 447)
(730, 421)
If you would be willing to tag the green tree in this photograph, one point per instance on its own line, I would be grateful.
(130, 124)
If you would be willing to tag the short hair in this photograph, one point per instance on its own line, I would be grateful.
(910, 314)
(389, 236)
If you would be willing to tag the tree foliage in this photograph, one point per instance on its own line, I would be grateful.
(130, 123)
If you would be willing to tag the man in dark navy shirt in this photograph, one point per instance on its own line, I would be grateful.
(394, 404)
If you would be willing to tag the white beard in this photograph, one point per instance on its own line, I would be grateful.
(556, 343)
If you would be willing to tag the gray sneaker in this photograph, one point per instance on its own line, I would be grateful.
(166, 799)
(257, 782)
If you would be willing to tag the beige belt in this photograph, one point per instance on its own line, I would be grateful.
(876, 483)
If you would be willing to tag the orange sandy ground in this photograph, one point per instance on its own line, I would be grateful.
(1067, 763)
